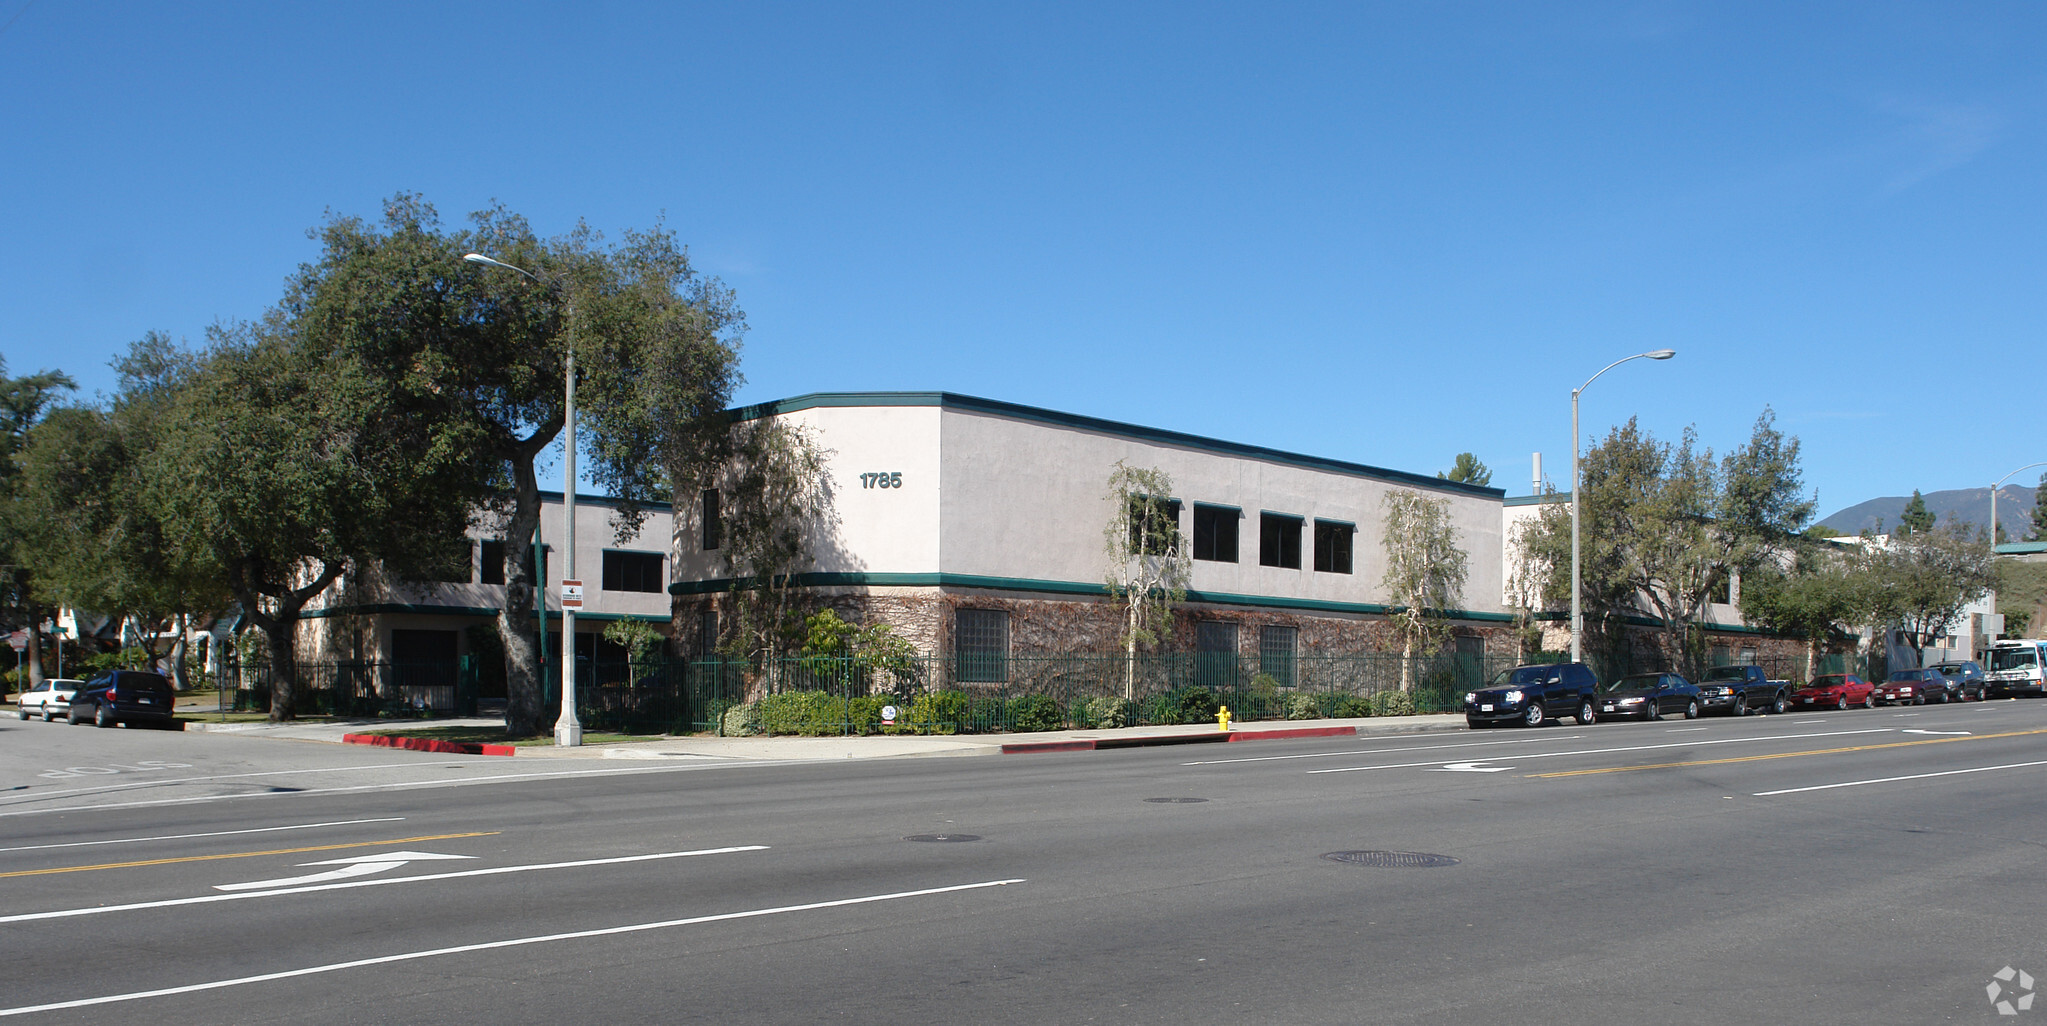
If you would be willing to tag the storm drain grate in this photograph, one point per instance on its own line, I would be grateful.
(943, 837)
(1391, 859)
(1176, 801)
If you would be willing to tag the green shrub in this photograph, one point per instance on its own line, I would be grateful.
(742, 720)
(1344, 707)
(1103, 712)
(1301, 706)
(937, 712)
(1392, 703)
(1192, 704)
(1035, 712)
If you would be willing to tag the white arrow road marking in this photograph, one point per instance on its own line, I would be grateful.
(358, 865)
(1469, 767)
(1915, 730)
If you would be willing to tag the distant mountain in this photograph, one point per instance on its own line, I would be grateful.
(1970, 505)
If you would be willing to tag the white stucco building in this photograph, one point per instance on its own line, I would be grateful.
(946, 503)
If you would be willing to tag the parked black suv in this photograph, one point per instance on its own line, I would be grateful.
(125, 696)
(1532, 694)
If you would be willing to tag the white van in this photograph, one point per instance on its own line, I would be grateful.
(2016, 667)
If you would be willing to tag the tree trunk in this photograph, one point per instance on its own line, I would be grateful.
(35, 649)
(1130, 658)
(1407, 663)
(516, 619)
(179, 679)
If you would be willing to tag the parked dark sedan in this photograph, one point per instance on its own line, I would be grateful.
(1966, 677)
(1913, 687)
(1650, 696)
(1835, 691)
(125, 696)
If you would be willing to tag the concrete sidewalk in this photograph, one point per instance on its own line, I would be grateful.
(879, 746)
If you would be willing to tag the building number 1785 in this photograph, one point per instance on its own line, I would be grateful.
(892, 479)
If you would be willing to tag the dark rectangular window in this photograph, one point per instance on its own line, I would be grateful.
(707, 632)
(1215, 658)
(632, 571)
(1215, 533)
(1154, 525)
(1277, 647)
(714, 530)
(1279, 540)
(1332, 546)
(980, 645)
(490, 563)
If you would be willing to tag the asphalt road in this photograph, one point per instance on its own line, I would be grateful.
(1863, 866)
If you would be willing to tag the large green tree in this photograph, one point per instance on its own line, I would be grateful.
(1916, 518)
(479, 354)
(287, 465)
(1469, 470)
(92, 506)
(1920, 582)
(24, 402)
(1664, 528)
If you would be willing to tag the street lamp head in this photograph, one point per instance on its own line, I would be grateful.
(1660, 354)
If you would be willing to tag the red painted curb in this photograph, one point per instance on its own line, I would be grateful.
(1149, 740)
(1027, 747)
(1285, 732)
(421, 744)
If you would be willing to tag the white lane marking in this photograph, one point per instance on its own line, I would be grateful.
(1632, 748)
(1684, 730)
(208, 899)
(495, 945)
(1470, 767)
(1903, 715)
(1800, 723)
(1381, 751)
(215, 833)
(1916, 730)
(354, 865)
(1887, 780)
(402, 785)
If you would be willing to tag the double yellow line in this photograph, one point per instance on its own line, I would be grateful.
(1783, 755)
(241, 854)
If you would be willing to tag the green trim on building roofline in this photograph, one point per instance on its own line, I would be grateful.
(994, 407)
(2020, 548)
(944, 580)
(1536, 500)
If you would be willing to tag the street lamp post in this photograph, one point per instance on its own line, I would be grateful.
(1577, 603)
(568, 730)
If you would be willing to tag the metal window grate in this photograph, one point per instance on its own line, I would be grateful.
(981, 644)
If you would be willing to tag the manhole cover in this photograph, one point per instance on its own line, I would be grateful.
(943, 837)
(1176, 801)
(1391, 859)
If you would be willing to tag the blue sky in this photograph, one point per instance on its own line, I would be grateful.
(1384, 233)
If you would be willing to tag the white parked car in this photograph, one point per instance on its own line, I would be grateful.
(51, 697)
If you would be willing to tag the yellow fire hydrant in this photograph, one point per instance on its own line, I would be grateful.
(1222, 719)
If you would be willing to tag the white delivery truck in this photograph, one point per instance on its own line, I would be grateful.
(2015, 668)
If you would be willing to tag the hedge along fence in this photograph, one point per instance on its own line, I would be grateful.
(936, 695)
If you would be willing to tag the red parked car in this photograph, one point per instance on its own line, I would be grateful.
(1835, 691)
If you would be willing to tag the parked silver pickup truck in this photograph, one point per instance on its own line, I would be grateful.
(1740, 690)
